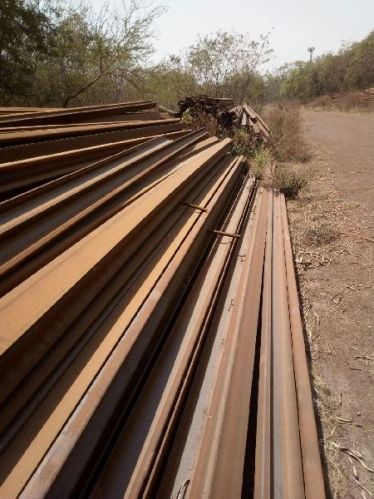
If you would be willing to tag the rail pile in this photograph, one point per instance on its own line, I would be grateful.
(38, 146)
(245, 117)
(228, 116)
(151, 339)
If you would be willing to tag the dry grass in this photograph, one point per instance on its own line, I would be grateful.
(287, 139)
(320, 234)
(351, 101)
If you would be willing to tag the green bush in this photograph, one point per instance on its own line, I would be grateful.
(261, 159)
(289, 181)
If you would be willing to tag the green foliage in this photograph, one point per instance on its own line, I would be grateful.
(25, 31)
(187, 117)
(260, 160)
(169, 82)
(226, 63)
(290, 181)
(62, 55)
(55, 54)
(222, 64)
(244, 143)
(352, 68)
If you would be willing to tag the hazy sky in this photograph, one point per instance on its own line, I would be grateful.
(295, 25)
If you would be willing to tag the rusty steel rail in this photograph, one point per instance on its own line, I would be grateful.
(18, 137)
(152, 342)
(312, 467)
(141, 338)
(263, 469)
(79, 114)
(33, 150)
(173, 189)
(69, 210)
(128, 470)
(288, 462)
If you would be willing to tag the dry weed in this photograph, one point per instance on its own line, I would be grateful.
(320, 234)
(349, 101)
(287, 138)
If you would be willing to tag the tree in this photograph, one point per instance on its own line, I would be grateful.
(106, 49)
(25, 30)
(169, 81)
(352, 68)
(51, 54)
(216, 61)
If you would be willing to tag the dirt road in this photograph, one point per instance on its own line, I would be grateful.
(349, 140)
(333, 236)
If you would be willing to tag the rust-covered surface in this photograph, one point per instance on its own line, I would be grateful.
(151, 339)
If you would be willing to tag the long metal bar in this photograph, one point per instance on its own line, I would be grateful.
(78, 114)
(218, 471)
(81, 205)
(169, 380)
(263, 456)
(287, 464)
(116, 373)
(94, 247)
(124, 284)
(174, 465)
(160, 350)
(27, 150)
(312, 467)
(70, 131)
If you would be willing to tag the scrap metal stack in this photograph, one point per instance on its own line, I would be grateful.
(38, 146)
(211, 105)
(228, 116)
(245, 117)
(151, 339)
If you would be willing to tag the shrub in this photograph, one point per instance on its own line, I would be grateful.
(198, 120)
(323, 101)
(290, 181)
(260, 160)
(244, 143)
(287, 139)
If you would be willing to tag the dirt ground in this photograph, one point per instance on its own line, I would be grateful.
(332, 227)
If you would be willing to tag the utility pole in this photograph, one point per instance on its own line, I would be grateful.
(311, 50)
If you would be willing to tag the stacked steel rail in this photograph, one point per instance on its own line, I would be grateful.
(151, 339)
(42, 145)
(228, 115)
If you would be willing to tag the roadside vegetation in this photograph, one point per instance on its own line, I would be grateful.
(54, 53)
(346, 101)
(290, 180)
(351, 69)
(287, 139)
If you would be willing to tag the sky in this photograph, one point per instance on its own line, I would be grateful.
(294, 25)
